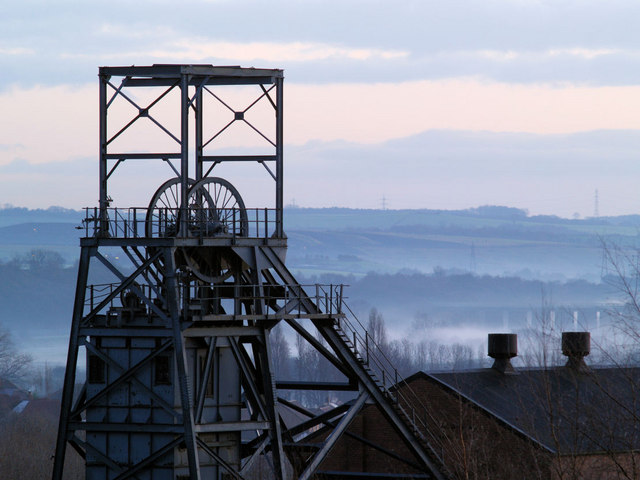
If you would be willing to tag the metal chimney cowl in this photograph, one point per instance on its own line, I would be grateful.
(576, 346)
(502, 348)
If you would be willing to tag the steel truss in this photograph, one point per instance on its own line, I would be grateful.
(179, 381)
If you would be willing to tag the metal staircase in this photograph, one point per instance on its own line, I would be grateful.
(405, 402)
(368, 365)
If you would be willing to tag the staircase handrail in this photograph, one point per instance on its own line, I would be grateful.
(399, 391)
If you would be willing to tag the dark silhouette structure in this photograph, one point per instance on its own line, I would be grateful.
(179, 383)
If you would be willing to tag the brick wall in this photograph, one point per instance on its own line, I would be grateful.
(473, 445)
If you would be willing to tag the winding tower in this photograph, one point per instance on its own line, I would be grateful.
(175, 301)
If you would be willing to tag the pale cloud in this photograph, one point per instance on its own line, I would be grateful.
(48, 124)
(588, 53)
(498, 55)
(11, 147)
(16, 51)
(331, 41)
(268, 51)
(370, 113)
(203, 50)
(509, 55)
(123, 30)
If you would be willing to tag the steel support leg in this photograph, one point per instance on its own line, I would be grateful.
(181, 362)
(72, 360)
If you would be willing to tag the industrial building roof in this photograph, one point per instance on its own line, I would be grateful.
(564, 410)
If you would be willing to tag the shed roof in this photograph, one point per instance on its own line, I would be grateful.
(563, 410)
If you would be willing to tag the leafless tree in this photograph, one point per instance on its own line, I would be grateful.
(280, 352)
(308, 368)
(377, 329)
(13, 364)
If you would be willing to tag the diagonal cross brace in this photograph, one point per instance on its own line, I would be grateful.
(334, 436)
(166, 406)
(121, 379)
(128, 282)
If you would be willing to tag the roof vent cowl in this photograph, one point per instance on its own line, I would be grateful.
(576, 346)
(502, 348)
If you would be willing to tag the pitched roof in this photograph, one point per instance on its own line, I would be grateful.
(565, 411)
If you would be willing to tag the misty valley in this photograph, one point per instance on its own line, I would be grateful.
(448, 277)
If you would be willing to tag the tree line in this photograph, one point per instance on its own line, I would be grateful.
(293, 358)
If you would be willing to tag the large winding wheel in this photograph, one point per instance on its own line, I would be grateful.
(164, 209)
(215, 209)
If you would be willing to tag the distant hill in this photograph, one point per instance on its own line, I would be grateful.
(485, 240)
(491, 240)
(39, 233)
(10, 215)
(474, 218)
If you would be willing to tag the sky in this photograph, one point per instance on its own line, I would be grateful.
(425, 104)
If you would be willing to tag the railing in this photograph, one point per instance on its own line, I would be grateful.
(136, 222)
(329, 298)
(96, 293)
(386, 375)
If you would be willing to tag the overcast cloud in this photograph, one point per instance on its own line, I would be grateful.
(586, 42)
(501, 98)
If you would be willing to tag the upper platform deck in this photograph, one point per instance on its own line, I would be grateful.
(165, 75)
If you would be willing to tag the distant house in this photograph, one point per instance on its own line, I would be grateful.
(8, 388)
(569, 422)
(10, 396)
(15, 400)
